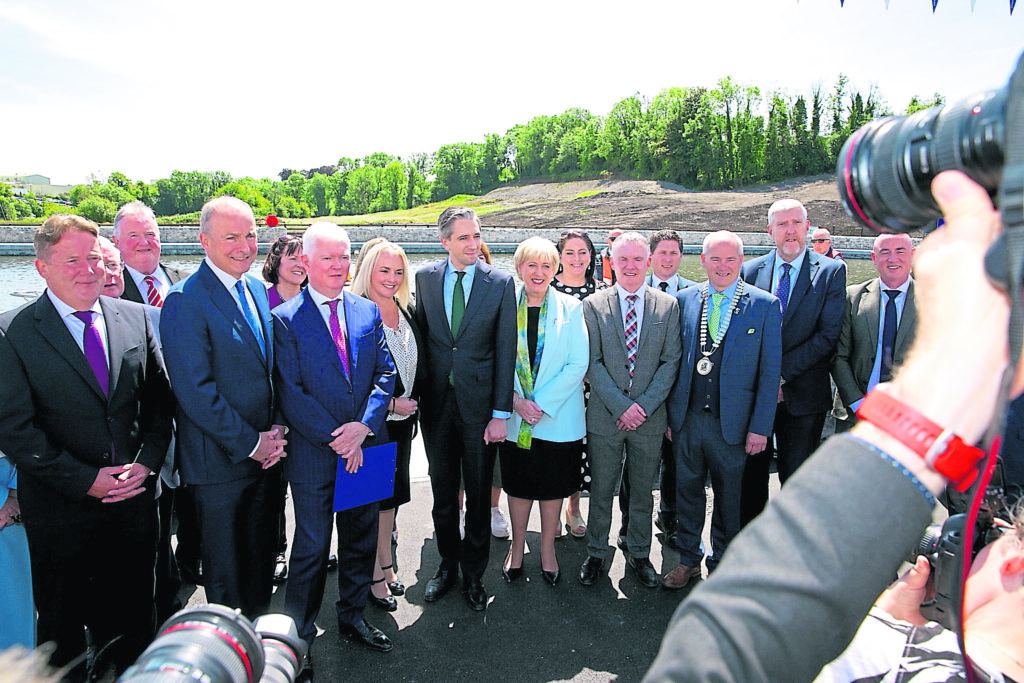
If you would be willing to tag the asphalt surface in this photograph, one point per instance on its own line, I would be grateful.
(530, 631)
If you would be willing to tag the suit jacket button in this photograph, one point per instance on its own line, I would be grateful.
(454, 349)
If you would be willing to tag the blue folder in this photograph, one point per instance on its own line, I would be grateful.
(374, 481)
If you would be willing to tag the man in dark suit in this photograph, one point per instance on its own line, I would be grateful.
(723, 403)
(85, 415)
(878, 325)
(634, 355)
(219, 345)
(811, 289)
(466, 312)
(335, 376)
(137, 236)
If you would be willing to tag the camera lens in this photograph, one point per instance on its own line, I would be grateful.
(886, 167)
(283, 649)
(210, 643)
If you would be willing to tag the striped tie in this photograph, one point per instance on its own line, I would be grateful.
(632, 336)
(153, 296)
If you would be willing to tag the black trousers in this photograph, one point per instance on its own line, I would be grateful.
(796, 437)
(238, 527)
(456, 448)
(92, 566)
(168, 580)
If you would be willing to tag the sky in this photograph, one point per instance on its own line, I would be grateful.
(88, 87)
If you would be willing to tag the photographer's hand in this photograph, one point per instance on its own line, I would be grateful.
(904, 597)
(952, 373)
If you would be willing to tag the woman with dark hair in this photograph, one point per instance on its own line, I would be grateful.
(575, 277)
(283, 270)
(285, 276)
(384, 279)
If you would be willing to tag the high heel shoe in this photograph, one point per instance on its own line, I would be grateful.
(574, 524)
(396, 587)
(387, 603)
(550, 577)
(511, 573)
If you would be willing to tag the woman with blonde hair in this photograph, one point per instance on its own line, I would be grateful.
(383, 278)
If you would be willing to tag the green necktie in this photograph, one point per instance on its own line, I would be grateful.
(715, 314)
(458, 309)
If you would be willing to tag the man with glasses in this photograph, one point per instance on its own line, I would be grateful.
(821, 242)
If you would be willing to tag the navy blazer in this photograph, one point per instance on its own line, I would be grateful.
(316, 396)
(483, 354)
(810, 327)
(751, 358)
(220, 377)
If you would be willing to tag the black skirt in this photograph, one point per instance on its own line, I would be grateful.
(547, 471)
(401, 432)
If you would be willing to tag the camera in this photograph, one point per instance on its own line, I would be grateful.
(216, 644)
(885, 169)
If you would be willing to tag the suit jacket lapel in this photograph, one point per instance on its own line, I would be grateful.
(56, 333)
(117, 343)
(225, 303)
(351, 317)
(908, 319)
(649, 304)
(871, 304)
(735, 323)
(616, 310)
(259, 295)
(433, 285)
(481, 283)
(763, 280)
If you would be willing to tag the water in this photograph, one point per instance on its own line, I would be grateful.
(18, 273)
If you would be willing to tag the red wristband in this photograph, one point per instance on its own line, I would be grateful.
(942, 450)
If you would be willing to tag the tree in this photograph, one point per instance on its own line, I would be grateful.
(97, 209)
(363, 187)
(391, 195)
(317, 194)
(917, 104)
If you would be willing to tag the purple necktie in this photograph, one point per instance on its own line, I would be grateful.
(92, 344)
(339, 338)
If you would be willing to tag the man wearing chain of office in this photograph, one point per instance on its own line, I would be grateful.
(723, 403)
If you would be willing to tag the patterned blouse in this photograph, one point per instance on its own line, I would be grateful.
(579, 292)
(402, 345)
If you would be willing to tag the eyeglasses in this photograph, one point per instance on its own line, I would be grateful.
(113, 267)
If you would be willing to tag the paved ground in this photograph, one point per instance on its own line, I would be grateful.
(530, 630)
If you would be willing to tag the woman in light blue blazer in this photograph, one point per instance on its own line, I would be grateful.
(540, 459)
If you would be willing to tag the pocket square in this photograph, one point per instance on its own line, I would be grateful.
(750, 331)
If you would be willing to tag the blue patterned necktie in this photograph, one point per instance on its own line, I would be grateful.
(250, 317)
(782, 291)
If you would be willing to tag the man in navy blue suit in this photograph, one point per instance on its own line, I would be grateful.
(219, 347)
(812, 291)
(335, 376)
(722, 405)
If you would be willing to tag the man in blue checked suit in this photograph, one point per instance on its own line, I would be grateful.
(723, 403)
(218, 343)
(812, 291)
(335, 376)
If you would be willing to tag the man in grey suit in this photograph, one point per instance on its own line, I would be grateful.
(723, 403)
(878, 325)
(466, 312)
(634, 355)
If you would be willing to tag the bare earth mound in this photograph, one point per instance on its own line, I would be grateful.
(651, 205)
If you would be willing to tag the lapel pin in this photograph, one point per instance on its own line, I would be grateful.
(750, 331)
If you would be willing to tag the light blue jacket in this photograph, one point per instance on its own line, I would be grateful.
(558, 389)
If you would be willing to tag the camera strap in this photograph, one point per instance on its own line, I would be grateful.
(1009, 248)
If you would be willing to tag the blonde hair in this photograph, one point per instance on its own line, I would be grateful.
(361, 283)
(535, 248)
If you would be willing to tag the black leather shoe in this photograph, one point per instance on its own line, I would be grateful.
(550, 577)
(306, 673)
(620, 541)
(332, 562)
(590, 572)
(476, 594)
(666, 524)
(280, 570)
(442, 582)
(387, 603)
(511, 573)
(370, 636)
(644, 571)
(396, 587)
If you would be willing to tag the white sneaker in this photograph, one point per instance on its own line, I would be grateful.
(499, 527)
(462, 524)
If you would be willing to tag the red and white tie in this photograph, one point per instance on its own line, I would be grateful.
(153, 296)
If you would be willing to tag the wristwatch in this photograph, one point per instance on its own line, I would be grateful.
(942, 450)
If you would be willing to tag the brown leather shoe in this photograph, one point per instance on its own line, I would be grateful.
(680, 577)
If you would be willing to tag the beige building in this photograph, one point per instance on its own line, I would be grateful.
(35, 183)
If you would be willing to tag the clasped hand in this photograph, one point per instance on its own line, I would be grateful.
(348, 443)
(632, 418)
(271, 447)
(119, 482)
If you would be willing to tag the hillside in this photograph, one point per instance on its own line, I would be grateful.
(649, 204)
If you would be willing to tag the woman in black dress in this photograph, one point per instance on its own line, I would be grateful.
(540, 458)
(384, 279)
(575, 277)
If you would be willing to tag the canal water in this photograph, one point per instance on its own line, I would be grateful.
(18, 273)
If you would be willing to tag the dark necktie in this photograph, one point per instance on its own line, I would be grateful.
(888, 336)
(92, 344)
(153, 296)
(782, 291)
(250, 317)
(458, 309)
(663, 286)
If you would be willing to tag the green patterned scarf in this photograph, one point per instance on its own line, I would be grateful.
(523, 370)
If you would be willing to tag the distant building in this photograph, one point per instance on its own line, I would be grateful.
(35, 183)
